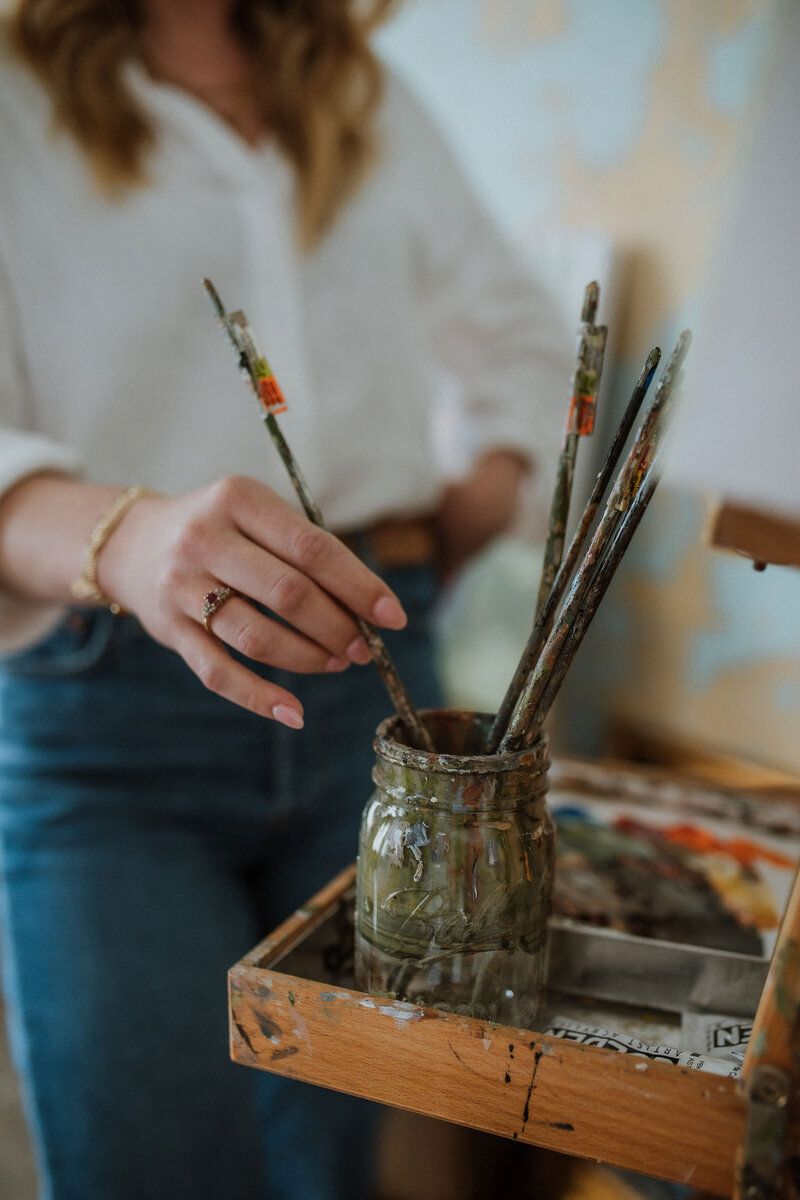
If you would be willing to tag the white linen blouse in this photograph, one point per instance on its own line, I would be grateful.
(112, 366)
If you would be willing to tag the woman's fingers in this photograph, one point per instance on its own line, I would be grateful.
(296, 598)
(272, 523)
(245, 629)
(220, 673)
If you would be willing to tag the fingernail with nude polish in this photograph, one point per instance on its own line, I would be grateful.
(389, 613)
(335, 664)
(288, 716)
(358, 651)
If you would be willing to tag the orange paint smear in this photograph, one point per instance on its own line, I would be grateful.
(744, 850)
(724, 862)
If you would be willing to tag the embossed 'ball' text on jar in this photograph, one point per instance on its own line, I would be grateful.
(455, 870)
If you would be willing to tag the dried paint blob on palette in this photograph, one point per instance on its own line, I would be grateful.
(670, 876)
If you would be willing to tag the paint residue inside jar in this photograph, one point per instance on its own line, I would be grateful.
(455, 874)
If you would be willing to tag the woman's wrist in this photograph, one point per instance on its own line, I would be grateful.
(120, 561)
(85, 586)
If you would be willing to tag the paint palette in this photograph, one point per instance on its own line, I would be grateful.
(667, 895)
(704, 868)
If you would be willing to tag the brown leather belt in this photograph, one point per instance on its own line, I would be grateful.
(411, 542)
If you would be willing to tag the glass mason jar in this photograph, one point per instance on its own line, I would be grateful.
(455, 870)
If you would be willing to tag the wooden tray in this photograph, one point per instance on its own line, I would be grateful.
(294, 1011)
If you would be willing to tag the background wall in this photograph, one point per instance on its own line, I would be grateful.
(620, 127)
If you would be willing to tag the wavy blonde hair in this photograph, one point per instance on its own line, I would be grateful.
(317, 81)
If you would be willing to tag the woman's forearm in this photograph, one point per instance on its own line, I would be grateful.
(44, 523)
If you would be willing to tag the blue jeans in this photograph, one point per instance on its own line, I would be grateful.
(151, 833)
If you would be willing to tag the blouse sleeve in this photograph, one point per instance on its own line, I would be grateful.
(23, 452)
(490, 324)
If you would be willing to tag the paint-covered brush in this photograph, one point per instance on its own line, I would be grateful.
(591, 601)
(580, 423)
(652, 430)
(529, 711)
(547, 613)
(259, 377)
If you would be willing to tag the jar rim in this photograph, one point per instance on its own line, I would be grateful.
(447, 725)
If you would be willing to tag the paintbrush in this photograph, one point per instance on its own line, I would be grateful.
(547, 613)
(580, 423)
(591, 601)
(528, 708)
(259, 377)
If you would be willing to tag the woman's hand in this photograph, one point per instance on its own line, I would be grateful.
(478, 508)
(168, 553)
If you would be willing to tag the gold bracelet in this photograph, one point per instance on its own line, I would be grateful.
(86, 587)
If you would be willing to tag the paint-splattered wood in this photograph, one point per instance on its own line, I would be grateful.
(771, 1071)
(775, 1040)
(651, 1117)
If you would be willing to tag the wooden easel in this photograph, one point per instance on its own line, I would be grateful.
(768, 1161)
(768, 1156)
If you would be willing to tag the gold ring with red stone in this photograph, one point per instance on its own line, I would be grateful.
(212, 603)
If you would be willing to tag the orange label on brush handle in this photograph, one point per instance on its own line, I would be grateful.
(271, 395)
(580, 418)
(587, 405)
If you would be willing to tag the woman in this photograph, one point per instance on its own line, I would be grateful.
(152, 831)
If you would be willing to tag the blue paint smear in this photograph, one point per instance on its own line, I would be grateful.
(737, 61)
(608, 44)
(571, 812)
(509, 104)
(787, 695)
(755, 620)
